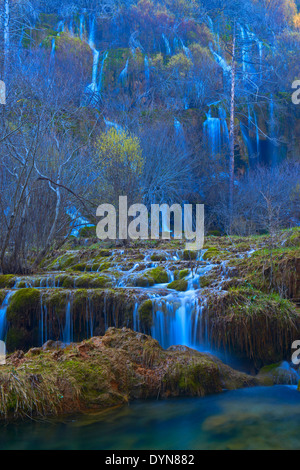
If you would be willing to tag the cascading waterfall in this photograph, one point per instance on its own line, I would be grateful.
(123, 75)
(220, 61)
(181, 142)
(93, 87)
(167, 44)
(81, 26)
(147, 73)
(105, 55)
(251, 137)
(216, 132)
(3, 310)
(67, 335)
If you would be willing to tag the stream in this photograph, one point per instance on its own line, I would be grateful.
(257, 418)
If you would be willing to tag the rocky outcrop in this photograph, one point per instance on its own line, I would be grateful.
(107, 371)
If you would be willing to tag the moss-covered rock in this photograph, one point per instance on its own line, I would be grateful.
(108, 371)
(180, 285)
(7, 281)
(146, 314)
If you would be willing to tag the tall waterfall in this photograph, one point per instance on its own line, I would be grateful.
(216, 133)
(96, 54)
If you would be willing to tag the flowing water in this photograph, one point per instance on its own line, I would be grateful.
(258, 418)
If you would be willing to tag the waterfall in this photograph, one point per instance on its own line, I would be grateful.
(178, 320)
(186, 50)
(91, 42)
(67, 336)
(43, 326)
(220, 61)
(216, 133)
(105, 55)
(167, 44)
(147, 73)
(179, 134)
(52, 55)
(123, 75)
(251, 138)
(89, 318)
(61, 27)
(112, 124)
(81, 26)
(136, 319)
(3, 310)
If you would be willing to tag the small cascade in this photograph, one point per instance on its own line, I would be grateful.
(81, 26)
(112, 124)
(124, 74)
(216, 133)
(3, 310)
(186, 50)
(43, 324)
(67, 335)
(181, 142)
(147, 73)
(52, 55)
(251, 137)
(178, 320)
(136, 319)
(61, 27)
(89, 318)
(167, 44)
(78, 222)
(105, 55)
(220, 61)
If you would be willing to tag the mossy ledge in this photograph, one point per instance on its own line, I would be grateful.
(107, 371)
(249, 323)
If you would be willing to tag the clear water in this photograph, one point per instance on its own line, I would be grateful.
(259, 418)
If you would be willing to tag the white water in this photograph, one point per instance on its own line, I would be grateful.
(3, 310)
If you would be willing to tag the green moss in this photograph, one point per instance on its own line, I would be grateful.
(183, 273)
(180, 285)
(89, 280)
(87, 232)
(158, 257)
(7, 281)
(145, 314)
(212, 253)
(79, 267)
(190, 255)
(159, 275)
(23, 302)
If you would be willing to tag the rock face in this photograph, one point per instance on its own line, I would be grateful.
(107, 371)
